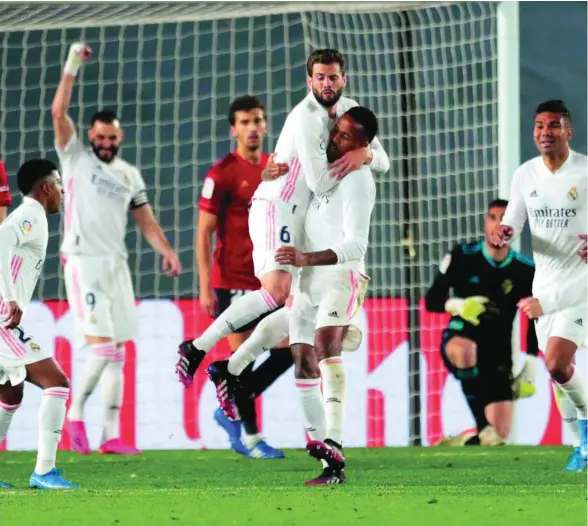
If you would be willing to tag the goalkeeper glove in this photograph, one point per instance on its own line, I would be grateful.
(78, 55)
(471, 309)
(523, 386)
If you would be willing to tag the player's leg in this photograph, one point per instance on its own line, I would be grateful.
(47, 375)
(270, 226)
(497, 394)
(565, 331)
(569, 415)
(124, 321)
(10, 400)
(91, 308)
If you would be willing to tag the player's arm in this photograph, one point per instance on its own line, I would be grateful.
(438, 293)
(515, 216)
(5, 197)
(379, 160)
(63, 125)
(143, 215)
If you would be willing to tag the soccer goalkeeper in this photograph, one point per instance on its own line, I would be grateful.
(487, 284)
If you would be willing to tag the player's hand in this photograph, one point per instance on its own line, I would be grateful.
(501, 235)
(583, 252)
(273, 170)
(78, 55)
(291, 256)
(171, 264)
(13, 315)
(209, 302)
(350, 162)
(531, 307)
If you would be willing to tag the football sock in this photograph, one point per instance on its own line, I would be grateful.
(269, 332)
(6, 413)
(245, 403)
(276, 364)
(575, 389)
(568, 413)
(100, 356)
(112, 391)
(51, 418)
(334, 395)
(471, 388)
(243, 311)
(313, 407)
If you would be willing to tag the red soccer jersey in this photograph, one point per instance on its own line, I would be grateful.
(5, 197)
(227, 192)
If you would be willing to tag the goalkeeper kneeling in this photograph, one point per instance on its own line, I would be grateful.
(487, 283)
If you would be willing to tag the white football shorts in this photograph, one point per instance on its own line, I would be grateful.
(17, 350)
(569, 324)
(100, 294)
(273, 224)
(328, 299)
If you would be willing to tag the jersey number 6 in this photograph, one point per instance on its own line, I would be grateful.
(284, 235)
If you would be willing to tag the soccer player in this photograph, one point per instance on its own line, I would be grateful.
(100, 190)
(330, 292)
(5, 197)
(487, 284)
(279, 205)
(551, 192)
(224, 211)
(23, 246)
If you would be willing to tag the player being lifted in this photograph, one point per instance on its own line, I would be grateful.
(5, 198)
(279, 205)
(101, 188)
(487, 284)
(551, 191)
(23, 246)
(224, 210)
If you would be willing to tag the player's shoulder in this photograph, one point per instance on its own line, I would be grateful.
(345, 104)
(127, 168)
(468, 248)
(224, 167)
(521, 259)
(308, 106)
(362, 177)
(529, 168)
(580, 160)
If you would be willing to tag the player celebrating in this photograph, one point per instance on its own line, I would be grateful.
(329, 293)
(224, 210)
(487, 283)
(5, 197)
(101, 188)
(23, 246)
(551, 191)
(279, 205)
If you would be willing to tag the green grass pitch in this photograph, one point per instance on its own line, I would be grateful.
(507, 486)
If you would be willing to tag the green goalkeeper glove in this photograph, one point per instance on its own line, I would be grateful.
(471, 309)
(523, 386)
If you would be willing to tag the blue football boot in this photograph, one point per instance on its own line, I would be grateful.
(233, 429)
(51, 480)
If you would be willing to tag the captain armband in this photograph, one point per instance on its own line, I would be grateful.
(139, 199)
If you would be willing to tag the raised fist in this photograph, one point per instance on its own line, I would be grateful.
(78, 55)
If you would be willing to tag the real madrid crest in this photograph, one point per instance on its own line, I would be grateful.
(34, 347)
(507, 286)
(573, 193)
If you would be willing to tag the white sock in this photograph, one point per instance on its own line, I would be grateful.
(6, 413)
(51, 418)
(334, 395)
(313, 407)
(575, 389)
(568, 413)
(269, 332)
(111, 384)
(240, 313)
(251, 441)
(100, 356)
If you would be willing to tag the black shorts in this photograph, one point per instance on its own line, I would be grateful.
(225, 297)
(494, 366)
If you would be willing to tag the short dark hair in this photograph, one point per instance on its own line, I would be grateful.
(105, 116)
(326, 57)
(31, 172)
(366, 118)
(244, 103)
(502, 203)
(554, 106)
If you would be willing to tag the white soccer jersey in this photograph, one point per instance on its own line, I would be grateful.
(303, 145)
(556, 206)
(340, 220)
(23, 246)
(98, 196)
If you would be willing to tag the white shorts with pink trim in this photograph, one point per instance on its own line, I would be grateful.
(273, 224)
(101, 297)
(17, 350)
(329, 298)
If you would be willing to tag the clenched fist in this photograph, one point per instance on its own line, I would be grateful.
(78, 55)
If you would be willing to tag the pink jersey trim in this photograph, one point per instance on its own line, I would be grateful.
(354, 294)
(291, 180)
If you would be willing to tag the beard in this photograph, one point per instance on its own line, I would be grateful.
(113, 150)
(327, 103)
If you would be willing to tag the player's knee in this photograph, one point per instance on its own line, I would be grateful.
(557, 368)
(278, 286)
(12, 395)
(305, 366)
(462, 352)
